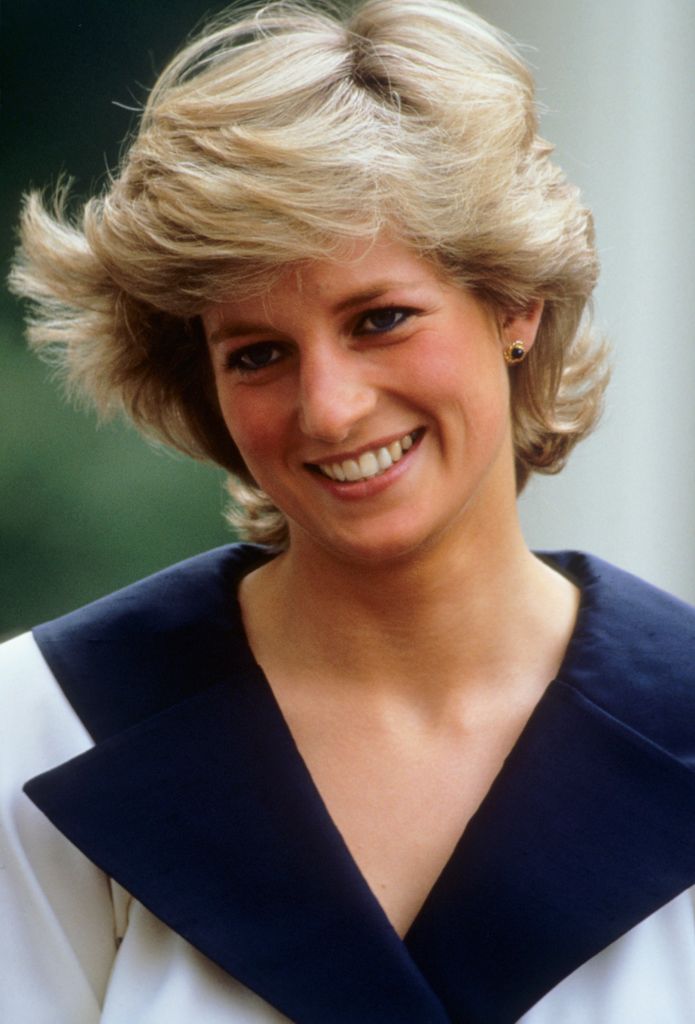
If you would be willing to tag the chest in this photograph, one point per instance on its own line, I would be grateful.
(400, 794)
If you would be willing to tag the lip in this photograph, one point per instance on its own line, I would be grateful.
(372, 486)
(370, 447)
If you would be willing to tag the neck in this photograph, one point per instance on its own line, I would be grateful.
(477, 611)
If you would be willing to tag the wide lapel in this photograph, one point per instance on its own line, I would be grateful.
(206, 813)
(589, 826)
(587, 830)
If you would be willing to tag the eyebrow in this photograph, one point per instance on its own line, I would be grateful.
(234, 328)
(375, 292)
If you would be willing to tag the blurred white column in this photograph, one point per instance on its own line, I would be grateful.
(618, 81)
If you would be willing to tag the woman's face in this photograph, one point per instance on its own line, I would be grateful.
(369, 398)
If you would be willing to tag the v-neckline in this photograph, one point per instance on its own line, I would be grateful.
(262, 681)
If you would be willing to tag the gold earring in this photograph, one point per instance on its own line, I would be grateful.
(515, 352)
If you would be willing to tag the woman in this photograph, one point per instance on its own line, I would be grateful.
(385, 765)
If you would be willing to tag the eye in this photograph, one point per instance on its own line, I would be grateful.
(253, 358)
(381, 321)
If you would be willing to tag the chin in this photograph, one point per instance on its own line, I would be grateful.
(371, 547)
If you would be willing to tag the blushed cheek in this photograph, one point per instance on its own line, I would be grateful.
(254, 432)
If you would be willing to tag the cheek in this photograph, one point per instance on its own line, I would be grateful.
(463, 370)
(253, 421)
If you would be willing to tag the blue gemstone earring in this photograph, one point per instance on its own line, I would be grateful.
(515, 352)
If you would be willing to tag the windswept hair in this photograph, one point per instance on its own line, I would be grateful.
(277, 136)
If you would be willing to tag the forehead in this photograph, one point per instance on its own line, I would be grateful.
(362, 271)
(359, 262)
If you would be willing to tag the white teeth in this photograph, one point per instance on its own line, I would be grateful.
(384, 459)
(370, 463)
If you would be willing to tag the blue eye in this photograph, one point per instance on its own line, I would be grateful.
(254, 357)
(380, 321)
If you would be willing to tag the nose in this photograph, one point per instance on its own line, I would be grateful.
(334, 395)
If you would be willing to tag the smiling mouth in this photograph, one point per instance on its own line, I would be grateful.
(371, 463)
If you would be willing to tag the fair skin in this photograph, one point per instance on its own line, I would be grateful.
(407, 632)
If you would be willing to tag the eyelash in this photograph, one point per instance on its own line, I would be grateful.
(404, 312)
(236, 359)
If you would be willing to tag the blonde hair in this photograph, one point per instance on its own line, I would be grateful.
(277, 136)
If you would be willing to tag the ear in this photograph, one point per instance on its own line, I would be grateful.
(523, 326)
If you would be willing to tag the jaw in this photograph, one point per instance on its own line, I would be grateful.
(413, 520)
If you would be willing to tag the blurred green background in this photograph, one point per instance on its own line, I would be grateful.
(83, 509)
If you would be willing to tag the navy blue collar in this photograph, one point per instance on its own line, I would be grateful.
(197, 801)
